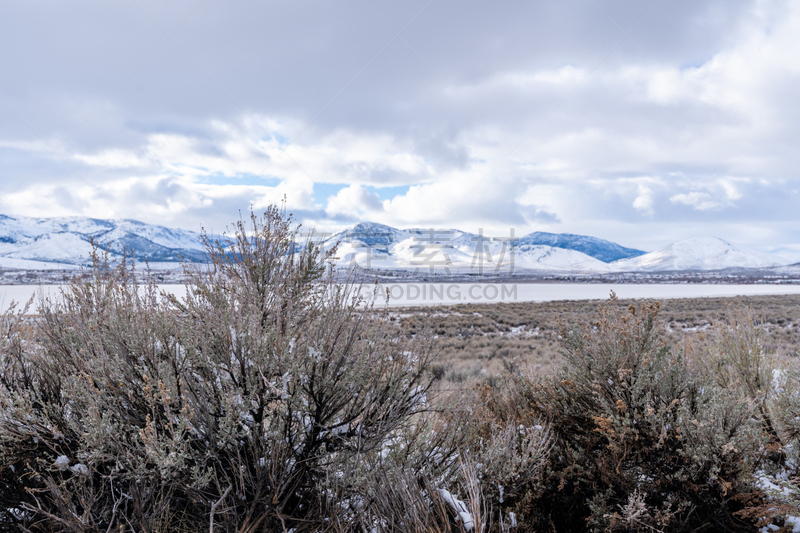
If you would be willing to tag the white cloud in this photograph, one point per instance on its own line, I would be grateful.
(546, 80)
(500, 123)
(354, 202)
(644, 200)
(238, 149)
(701, 201)
(715, 194)
(114, 158)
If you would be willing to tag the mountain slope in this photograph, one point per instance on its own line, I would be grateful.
(68, 240)
(50, 243)
(697, 253)
(540, 257)
(603, 250)
(424, 250)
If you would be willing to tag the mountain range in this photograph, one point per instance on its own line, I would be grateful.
(383, 247)
(64, 243)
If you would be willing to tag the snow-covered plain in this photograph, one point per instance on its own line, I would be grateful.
(22, 293)
(418, 294)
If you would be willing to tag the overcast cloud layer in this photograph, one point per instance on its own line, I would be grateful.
(643, 122)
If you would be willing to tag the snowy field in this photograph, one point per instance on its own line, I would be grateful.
(419, 294)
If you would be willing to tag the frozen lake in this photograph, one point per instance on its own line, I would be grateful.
(415, 294)
(21, 293)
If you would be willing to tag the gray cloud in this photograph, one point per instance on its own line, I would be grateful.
(540, 115)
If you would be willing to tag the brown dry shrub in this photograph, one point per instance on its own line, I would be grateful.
(643, 440)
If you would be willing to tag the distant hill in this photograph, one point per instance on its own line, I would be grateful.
(384, 247)
(603, 250)
(57, 243)
(697, 253)
(67, 241)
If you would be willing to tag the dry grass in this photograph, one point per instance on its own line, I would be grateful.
(477, 343)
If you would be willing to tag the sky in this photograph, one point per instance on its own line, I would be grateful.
(639, 121)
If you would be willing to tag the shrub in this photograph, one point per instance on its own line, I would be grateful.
(511, 445)
(270, 398)
(253, 403)
(736, 358)
(643, 441)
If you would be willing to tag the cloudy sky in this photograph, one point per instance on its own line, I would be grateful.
(639, 121)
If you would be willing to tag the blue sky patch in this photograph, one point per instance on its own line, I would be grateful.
(218, 178)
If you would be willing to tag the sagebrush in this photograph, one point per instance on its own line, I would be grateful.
(271, 398)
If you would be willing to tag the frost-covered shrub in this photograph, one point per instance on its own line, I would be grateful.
(736, 358)
(456, 470)
(506, 446)
(268, 399)
(254, 403)
(786, 404)
(643, 440)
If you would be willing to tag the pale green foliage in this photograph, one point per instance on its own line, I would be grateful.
(261, 396)
(787, 404)
(269, 399)
(736, 359)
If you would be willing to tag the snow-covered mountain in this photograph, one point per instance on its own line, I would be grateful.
(53, 243)
(697, 253)
(66, 242)
(426, 250)
(603, 250)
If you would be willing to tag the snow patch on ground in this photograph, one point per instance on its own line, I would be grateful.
(460, 509)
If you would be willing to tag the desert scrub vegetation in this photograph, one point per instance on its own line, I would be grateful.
(651, 435)
(653, 427)
(644, 439)
(477, 343)
(266, 399)
(269, 398)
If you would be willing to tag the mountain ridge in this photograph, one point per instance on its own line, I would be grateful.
(696, 254)
(601, 249)
(66, 242)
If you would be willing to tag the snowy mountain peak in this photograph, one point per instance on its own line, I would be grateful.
(46, 243)
(696, 253)
(372, 227)
(67, 241)
(370, 234)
